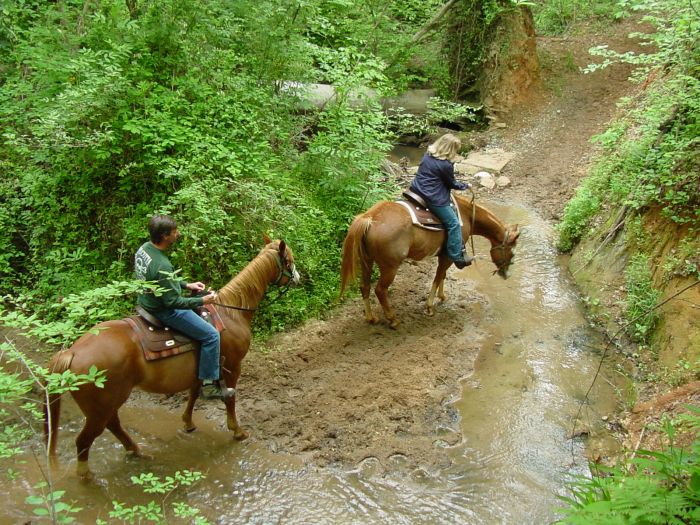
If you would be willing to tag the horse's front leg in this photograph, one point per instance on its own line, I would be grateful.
(231, 380)
(438, 285)
(187, 414)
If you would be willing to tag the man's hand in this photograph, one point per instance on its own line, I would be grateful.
(195, 287)
(210, 297)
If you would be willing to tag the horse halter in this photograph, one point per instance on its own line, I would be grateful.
(502, 247)
(284, 271)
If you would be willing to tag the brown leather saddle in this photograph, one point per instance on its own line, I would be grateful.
(421, 216)
(159, 341)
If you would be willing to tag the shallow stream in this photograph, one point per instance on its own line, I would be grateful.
(513, 453)
(517, 411)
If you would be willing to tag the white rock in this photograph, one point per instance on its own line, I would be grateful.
(488, 182)
(502, 181)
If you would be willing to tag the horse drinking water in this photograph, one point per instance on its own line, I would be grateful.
(113, 346)
(385, 235)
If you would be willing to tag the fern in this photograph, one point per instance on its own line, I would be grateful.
(656, 487)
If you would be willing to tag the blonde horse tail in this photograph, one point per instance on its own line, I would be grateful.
(52, 402)
(354, 252)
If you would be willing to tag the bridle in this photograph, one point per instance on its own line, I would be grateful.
(502, 247)
(283, 272)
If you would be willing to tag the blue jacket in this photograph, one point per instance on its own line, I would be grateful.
(434, 180)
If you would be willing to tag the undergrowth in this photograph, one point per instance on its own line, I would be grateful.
(650, 156)
(652, 487)
(641, 298)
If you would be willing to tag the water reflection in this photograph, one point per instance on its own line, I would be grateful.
(412, 153)
(510, 461)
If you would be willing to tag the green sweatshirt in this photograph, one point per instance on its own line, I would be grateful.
(151, 264)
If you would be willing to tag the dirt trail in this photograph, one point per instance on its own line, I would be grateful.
(339, 390)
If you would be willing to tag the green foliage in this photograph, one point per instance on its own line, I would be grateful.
(652, 487)
(579, 211)
(439, 112)
(63, 322)
(553, 17)
(660, 163)
(156, 511)
(641, 298)
(48, 504)
(175, 107)
(684, 261)
(650, 156)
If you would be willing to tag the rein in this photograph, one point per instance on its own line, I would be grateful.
(471, 231)
(501, 246)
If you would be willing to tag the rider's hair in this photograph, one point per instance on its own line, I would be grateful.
(159, 226)
(445, 148)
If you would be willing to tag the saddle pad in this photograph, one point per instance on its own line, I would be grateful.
(424, 218)
(157, 342)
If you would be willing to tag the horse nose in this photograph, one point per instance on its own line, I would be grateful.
(296, 277)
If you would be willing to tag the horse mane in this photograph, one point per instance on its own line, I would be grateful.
(489, 214)
(250, 284)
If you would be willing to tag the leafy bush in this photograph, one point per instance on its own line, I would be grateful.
(577, 214)
(652, 487)
(554, 17)
(651, 154)
(174, 108)
(439, 113)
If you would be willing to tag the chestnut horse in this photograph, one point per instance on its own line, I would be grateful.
(385, 235)
(114, 347)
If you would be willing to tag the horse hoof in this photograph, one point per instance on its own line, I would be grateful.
(241, 435)
(430, 312)
(191, 429)
(373, 320)
(85, 475)
(394, 323)
(133, 456)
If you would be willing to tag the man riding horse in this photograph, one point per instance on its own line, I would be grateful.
(176, 311)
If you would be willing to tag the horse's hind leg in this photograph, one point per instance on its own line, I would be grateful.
(94, 426)
(365, 283)
(115, 426)
(386, 277)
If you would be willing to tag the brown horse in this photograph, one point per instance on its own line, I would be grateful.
(114, 347)
(385, 235)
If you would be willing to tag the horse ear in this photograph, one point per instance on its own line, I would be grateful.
(266, 239)
(283, 249)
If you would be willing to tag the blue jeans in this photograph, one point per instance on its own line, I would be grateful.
(192, 325)
(447, 215)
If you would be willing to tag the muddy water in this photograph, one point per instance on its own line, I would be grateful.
(517, 411)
